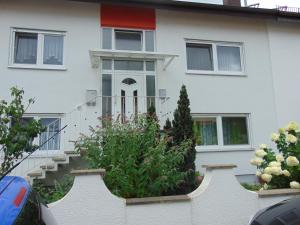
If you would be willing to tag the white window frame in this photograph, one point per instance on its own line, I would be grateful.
(36, 141)
(216, 70)
(220, 146)
(114, 29)
(40, 50)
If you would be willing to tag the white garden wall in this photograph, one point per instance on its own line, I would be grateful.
(219, 200)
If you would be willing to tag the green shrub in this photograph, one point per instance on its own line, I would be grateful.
(137, 159)
(53, 193)
(280, 170)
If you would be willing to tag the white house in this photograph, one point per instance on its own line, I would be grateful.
(85, 59)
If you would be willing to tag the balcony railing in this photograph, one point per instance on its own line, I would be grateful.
(288, 9)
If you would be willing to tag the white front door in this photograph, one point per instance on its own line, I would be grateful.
(130, 97)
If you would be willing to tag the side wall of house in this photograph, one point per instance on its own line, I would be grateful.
(285, 55)
(221, 94)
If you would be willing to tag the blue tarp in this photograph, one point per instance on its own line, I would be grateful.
(14, 192)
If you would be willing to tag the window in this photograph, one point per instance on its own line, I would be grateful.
(49, 139)
(214, 58)
(37, 49)
(129, 40)
(199, 57)
(223, 130)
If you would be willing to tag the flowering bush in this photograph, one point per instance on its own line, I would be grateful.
(280, 170)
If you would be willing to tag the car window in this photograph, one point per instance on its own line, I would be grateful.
(30, 214)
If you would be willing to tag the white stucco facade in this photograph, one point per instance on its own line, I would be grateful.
(265, 92)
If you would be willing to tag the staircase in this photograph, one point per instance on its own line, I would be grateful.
(52, 165)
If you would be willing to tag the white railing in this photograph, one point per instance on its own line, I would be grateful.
(119, 108)
(86, 115)
(288, 9)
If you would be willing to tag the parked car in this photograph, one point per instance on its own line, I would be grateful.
(19, 204)
(286, 212)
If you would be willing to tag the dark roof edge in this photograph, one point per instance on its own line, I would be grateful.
(206, 8)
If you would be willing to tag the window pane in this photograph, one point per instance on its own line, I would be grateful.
(52, 127)
(106, 64)
(106, 95)
(53, 49)
(150, 82)
(149, 39)
(128, 40)
(199, 57)
(235, 130)
(229, 58)
(208, 131)
(25, 48)
(107, 38)
(150, 66)
(150, 85)
(129, 65)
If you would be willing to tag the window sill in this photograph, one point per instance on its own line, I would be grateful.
(213, 73)
(202, 149)
(37, 67)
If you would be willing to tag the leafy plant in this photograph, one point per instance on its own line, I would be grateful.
(137, 159)
(252, 187)
(16, 135)
(280, 170)
(56, 192)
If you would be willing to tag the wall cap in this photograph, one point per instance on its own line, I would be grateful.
(88, 172)
(219, 166)
(274, 192)
(161, 199)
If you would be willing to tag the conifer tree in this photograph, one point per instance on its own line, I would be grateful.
(183, 130)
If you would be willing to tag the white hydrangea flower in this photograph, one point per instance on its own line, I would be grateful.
(263, 146)
(279, 158)
(292, 161)
(274, 164)
(268, 170)
(260, 153)
(295, 185)
(258, 173)
(266, 186)
(256, 161)
(276, 170)
(286, 173)
(266, 177)
(281, 130)
(275, 137)
(291, 138)
(292, 126)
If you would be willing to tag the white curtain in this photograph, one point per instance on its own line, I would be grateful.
(53, 50)
(229, 58)
(52, 127)
(208, 131)
(25, 48)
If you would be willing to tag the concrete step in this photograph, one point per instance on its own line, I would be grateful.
(59, 159)
(48, 166)
(72, 153)
(37, 173)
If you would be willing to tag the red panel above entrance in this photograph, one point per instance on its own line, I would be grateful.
(127, 17)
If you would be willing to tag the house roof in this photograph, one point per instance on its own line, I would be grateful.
(208, 8)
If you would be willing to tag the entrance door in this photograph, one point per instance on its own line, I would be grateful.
(130, 96)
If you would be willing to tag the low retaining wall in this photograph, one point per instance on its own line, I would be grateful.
(219, 200)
